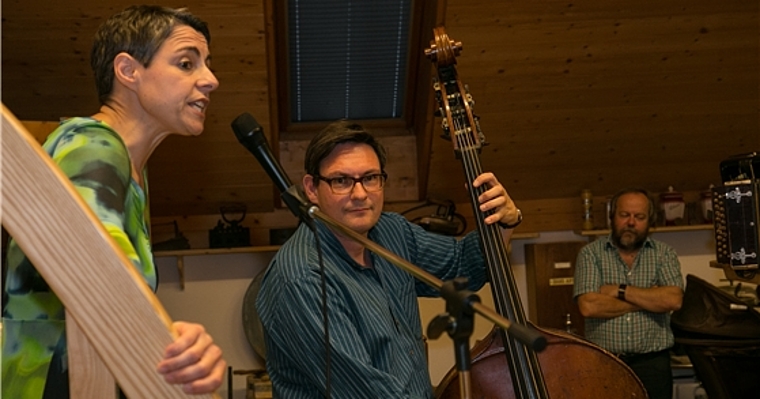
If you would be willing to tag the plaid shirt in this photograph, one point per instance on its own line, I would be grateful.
(599, 263)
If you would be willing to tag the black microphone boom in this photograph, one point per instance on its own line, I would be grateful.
(250, 134)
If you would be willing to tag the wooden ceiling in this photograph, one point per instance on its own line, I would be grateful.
(595, 94)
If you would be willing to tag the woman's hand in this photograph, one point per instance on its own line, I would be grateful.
(193, 360)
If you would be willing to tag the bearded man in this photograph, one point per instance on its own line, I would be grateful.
(626, 286)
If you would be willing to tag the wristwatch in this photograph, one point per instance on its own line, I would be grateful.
(621, 292)
(515, 224)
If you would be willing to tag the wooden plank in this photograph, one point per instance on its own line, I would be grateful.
(90, 377)
(117, 311)
(96, 9)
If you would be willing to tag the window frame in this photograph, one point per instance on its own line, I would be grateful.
(421, 28)
(419, 102)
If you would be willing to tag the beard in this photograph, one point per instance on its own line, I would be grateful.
(629, 239)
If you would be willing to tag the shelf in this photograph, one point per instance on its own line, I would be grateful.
(267, 248)
(660, 229)
(216, 251)
(731, 274)
(524, 236)
(181, 253)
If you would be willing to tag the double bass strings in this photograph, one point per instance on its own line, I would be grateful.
(524, 362)
(464, 134)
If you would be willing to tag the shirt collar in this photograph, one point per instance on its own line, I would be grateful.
(331, 243)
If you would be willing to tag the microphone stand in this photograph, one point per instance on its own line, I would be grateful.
(458, 322)
(460, 303)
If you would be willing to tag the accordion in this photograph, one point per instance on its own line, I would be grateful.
(736, 207)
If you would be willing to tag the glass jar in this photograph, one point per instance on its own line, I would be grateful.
(672, 205)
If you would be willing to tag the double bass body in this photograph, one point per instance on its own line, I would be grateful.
(572, 367)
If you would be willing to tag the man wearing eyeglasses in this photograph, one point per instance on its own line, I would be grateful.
(376, 342)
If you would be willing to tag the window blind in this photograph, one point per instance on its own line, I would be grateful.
(347, 59)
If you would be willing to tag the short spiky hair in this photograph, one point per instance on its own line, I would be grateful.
(138, 31)
(342, 131)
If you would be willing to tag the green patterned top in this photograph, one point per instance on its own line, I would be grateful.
(95, 159)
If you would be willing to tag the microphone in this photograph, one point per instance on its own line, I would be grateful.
(250, 134)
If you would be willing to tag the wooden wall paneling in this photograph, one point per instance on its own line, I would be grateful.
(580, 95)
(546, 215)
(594, 95)
(424, 105)
(39, 129)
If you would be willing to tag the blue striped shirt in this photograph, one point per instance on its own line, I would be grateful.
(638, 332)
(376, 338)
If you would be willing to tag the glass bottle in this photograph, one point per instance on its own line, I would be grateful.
(588, 215)
(673, 206)
(569, 325)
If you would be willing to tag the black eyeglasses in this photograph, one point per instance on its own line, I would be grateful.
(345, 184)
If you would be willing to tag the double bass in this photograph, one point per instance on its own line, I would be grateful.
(502, 367)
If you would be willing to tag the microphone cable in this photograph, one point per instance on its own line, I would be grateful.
(325, 318)
(250, 134)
